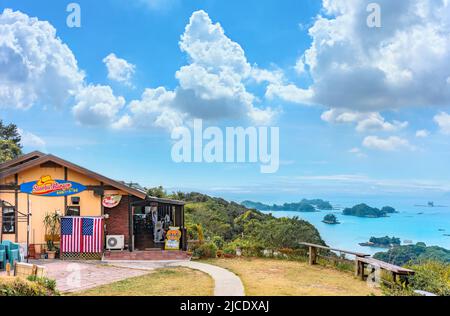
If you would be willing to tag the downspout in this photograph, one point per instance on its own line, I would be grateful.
(16, 197)
(130, 226)
(65, 196)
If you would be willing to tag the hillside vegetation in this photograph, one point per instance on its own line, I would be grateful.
(236, 224)
(412, 254)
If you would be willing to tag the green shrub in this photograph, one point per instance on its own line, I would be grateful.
(431, 276)
(12, 286)
(206, 250)
(49, 284)
(229, 249)
(218, 241)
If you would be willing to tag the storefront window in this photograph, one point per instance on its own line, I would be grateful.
(8, 220)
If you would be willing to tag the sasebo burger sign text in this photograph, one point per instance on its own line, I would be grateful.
(46, 186)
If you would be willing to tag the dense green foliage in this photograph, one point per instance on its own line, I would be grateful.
(330, 219)
(363, 210)
(239, 226)
(385, 241)
(10, 147)
(205, 251)
(12, 286)
(158, 192)
(419, 252)
(302, 206)
(431, 276)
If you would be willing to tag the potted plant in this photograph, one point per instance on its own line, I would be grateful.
(52, 223)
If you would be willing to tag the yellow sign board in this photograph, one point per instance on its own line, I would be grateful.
(173, 237)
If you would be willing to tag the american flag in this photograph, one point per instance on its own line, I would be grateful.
(81, 235)
(92, 233)
(71, 234)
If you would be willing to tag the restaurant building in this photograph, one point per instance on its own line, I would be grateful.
(36, 184)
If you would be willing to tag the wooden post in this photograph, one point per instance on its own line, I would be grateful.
(34, 270)
(394, 276)
(8, 269)
(356, 267)
(363, 268)
(312, 255)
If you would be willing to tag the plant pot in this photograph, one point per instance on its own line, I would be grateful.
(32, 251)
(51, 254)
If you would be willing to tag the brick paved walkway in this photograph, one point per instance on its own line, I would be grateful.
(79, 276)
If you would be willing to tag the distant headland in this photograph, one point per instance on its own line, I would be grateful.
(305, 206)
(363, 210)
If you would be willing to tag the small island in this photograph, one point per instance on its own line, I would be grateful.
(330, 219)
(363, 210)
(382, 242)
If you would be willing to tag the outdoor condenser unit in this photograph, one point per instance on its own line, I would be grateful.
(115, 242)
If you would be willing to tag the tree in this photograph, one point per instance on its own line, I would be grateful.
(10, 147)
(158, 192)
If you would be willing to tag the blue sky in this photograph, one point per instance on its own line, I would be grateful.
(362, 111)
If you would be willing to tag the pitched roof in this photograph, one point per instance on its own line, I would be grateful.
(20, 160)
(36, 158)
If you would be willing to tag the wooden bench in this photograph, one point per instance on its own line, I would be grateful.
(396, 271)
(25, 270)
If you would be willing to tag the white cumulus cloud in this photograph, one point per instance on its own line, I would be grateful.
(403, 63)
(365, 122)
(36, 67)
(392, 143)
(423, 133)
(443, 121)
(153, 109)
(31, 141)
(119, 69)
(212, 86)
(97, 105)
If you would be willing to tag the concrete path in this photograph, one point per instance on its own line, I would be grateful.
(226, 282)
(82, 275)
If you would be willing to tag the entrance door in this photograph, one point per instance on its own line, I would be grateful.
(143, 232)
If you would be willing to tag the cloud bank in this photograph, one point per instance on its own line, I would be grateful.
(353, 66)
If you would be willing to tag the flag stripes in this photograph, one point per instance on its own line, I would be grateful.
(81, 235)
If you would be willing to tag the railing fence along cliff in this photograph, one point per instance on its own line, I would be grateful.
(361, 262)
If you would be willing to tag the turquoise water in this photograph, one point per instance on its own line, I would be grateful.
(408, 224)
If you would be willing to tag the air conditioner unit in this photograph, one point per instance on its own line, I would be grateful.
(115, 242)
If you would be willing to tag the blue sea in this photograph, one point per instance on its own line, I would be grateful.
(413, 223)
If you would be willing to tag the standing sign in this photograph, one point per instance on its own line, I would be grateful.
(173, 237)
(46, 186)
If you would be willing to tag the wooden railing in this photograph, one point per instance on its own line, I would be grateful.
(361, 261)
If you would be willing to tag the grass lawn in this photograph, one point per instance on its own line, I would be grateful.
(161, 282)
(264, 277)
